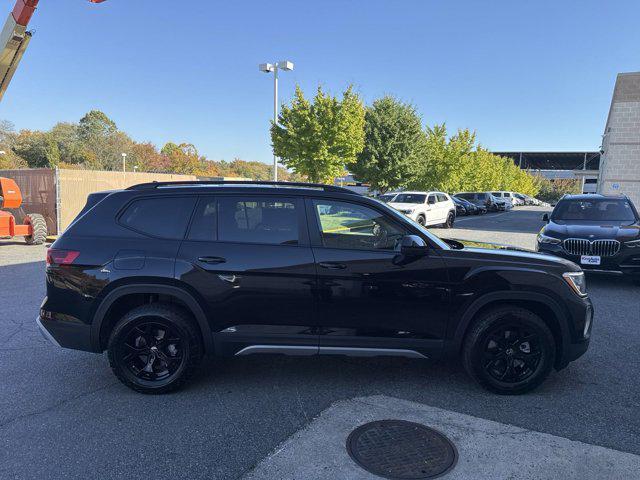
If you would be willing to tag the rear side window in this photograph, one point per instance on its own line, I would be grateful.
(258, 220)
(442, 197)
(164, 217)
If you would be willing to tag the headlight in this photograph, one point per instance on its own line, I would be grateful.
(577, 282)
(632, 243)
(542, 238)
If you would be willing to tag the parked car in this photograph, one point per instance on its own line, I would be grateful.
(461, 208)
(507, 197)
(426, 208)
(485, 199)
(472, 208)
(595, 231)
(523, 199)
(162, 274)
(386, 197)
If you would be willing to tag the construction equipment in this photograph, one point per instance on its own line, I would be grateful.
(34, 229)
(14, 39)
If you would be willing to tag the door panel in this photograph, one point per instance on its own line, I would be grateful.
(374, 297)
(255, 293)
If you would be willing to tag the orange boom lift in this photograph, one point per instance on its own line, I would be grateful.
(14, 39)
(34, 230)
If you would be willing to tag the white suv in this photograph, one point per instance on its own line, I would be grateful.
(509, 198)
(426, 208)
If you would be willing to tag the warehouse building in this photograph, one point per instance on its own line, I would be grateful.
(583, 166)
(620, 165)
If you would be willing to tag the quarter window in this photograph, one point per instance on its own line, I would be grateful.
(258, 220)
(162, 217)
(204, 224)
(351, 226)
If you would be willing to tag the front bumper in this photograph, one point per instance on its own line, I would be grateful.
(576, 341)
(626, 261)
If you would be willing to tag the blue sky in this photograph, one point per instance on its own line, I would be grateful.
(525, 75)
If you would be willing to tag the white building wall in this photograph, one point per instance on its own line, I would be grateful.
(620, 164)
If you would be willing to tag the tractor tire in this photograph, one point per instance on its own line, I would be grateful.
(39, 227)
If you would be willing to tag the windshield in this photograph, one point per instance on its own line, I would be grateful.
(387, 197)
(409, 198)
(594, 209)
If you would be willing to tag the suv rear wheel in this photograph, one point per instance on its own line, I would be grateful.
(154, 348)
(509, 350)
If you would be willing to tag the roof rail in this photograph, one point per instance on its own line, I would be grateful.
(320, 186)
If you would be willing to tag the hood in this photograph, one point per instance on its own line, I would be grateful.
(622, 231)
(403, 206)
(517, 255)
(510, 253)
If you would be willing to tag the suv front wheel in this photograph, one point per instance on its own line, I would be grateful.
(509, 350)
(154, 348)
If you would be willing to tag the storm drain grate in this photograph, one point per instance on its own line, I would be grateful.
(400, 450)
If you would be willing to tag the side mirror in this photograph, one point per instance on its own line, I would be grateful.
(413, 246)
(545, 217)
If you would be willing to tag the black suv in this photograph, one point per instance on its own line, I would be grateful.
(599, 232)
(161, 274)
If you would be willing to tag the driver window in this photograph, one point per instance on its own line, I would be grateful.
(351, 226)
(431, 200)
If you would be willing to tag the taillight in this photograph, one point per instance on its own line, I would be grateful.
(61, 257)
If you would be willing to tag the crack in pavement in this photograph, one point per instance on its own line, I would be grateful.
(55, 406)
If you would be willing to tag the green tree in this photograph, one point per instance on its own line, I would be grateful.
(95, 125)
(317, 139)
(393, 144)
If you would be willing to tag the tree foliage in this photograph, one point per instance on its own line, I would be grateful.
(318, 138)
(394, 144)
(458, 163)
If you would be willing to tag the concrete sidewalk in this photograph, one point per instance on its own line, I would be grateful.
(487, 449)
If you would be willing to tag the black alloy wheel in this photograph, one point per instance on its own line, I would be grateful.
(511, 353)
(450, 219)
(154, 348)
(421, 220)
(152, 351)
(509, 350)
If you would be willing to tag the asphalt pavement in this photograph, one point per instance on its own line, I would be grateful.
(64, 415)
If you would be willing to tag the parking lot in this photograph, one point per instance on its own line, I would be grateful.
(64, 415)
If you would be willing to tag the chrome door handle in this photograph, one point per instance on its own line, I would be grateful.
(333, 265)
(212, 260)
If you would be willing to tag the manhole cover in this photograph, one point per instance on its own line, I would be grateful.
(397, 449)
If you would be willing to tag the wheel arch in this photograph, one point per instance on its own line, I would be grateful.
(125, 297)
(540, 304)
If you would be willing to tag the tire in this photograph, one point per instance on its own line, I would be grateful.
(39, 226)
(421, 220)
(490, 357)
(142, 357)
(450, 219)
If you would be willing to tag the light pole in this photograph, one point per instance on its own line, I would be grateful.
(287, 66)
(124, 162)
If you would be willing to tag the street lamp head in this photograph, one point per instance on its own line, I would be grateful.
(266, 67)
(285, 65)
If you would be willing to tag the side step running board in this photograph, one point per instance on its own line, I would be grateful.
(348, 351)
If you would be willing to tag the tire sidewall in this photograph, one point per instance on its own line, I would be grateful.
(504, 317)
(189, 344)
